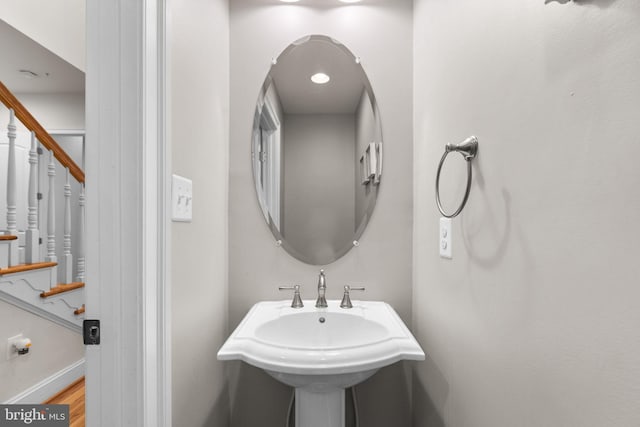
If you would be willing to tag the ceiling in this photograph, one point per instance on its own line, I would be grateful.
(298, 95)
(19, 52)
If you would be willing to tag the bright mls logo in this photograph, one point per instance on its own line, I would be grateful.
(34, 415)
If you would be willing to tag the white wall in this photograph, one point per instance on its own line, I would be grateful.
(381, 34)
(53, 349)
(52, 110)
(535, 320)
(199, 102)
(59, 26)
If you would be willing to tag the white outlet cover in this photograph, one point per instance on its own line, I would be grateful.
(11, 353)
(444, 238)
(181, 199)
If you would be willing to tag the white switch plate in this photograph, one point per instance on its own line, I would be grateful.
(444, 238)
(11, 352)
(181, 199)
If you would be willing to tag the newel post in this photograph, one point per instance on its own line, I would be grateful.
(32, 236)
(12, 229)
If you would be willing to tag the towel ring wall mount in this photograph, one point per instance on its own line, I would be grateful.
(468, 149)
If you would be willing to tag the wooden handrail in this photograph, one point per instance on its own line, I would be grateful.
(43, 136)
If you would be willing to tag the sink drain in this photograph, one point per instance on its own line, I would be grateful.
(322, 320)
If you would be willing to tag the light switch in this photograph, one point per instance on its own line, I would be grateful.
(181, 199)
(444, 238)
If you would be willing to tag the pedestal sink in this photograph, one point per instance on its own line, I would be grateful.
(321, 351)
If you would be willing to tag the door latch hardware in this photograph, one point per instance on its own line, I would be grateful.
(91, 332)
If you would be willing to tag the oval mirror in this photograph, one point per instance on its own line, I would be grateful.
(316, 149)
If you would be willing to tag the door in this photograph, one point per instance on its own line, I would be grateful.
(128, 375)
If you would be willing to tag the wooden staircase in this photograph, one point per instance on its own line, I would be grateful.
(62, 288)
(31, 275)
(26, 267)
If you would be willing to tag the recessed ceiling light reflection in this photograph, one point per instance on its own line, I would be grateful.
(289, 1)
(350, 1)
(320, 78)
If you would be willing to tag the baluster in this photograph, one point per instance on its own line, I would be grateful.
(51, 212)
(68, 258)
(51, 221)
(11, 190)
(80, 250)
(32, 244)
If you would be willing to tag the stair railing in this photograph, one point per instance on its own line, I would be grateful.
(12, 103)
(29, 239)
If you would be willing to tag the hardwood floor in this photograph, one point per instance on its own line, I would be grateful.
(74, 397)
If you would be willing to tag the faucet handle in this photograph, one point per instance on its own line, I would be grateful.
(346, 299)
(297, 301)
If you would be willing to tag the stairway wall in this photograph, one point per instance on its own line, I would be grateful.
(52, 110)
(58, 26)
(54, 348)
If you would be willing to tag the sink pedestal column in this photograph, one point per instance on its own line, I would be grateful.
(320, 409)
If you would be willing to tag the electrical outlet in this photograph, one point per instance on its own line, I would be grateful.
(11, 351)
(444, 238)
(181, 199)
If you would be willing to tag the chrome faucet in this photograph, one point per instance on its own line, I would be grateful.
(321, 302)
(297, 301)
(346, 298)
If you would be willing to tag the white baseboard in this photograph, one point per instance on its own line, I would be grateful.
(50, 386)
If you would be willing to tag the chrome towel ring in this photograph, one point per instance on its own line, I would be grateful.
(468, 149)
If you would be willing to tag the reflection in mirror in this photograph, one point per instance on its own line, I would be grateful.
(316, 149)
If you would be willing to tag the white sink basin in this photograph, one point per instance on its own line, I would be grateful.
(321, 351)
(320, 342)
(304, 330)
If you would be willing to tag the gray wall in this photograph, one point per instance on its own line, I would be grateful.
(534, 322)
(381, 34)
(319, 205)
(199, 76)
